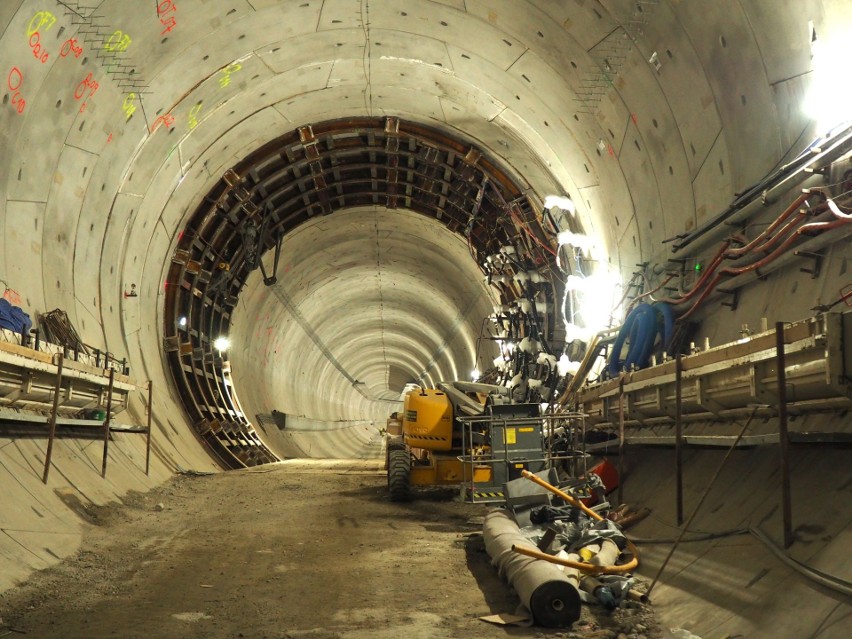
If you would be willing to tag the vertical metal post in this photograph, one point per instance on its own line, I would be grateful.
(57, 388)
(700, 502)
(679, 437)
(621, 440)
(148, 443)
(784, 441)
(107, 421)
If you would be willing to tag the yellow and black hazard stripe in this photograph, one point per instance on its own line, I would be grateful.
(488, 495)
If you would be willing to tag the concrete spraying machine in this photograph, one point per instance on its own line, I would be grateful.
(464, 434)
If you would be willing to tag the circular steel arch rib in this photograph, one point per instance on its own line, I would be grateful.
(314, 170)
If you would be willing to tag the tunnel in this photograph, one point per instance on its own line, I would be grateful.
(262, 220)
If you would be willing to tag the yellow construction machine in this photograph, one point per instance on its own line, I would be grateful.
(462, 434)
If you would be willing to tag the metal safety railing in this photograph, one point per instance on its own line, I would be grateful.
(41, 378)
(483, 426)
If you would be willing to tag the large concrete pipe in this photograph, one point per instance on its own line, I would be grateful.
(548, 593)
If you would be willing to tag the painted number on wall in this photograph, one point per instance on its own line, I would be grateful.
(87, 84)
(127, 106)
(166, 7)
(227, 72)
(118, 41)
(38, 52)
(41, 19)
(14, 82)
(168, 119)
(193, 116)
(70, 46)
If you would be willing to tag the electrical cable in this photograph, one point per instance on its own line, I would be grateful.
(772, 179)
(699, 537)
(832, 582)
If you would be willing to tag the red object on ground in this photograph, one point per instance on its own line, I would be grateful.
(608, 474)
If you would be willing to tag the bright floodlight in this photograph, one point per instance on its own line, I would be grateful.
(474, 374)
(561, 201)
(221, 344)
(829, 95)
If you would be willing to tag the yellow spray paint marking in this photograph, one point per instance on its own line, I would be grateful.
(127, 106)
(193, 115)
(118, 41)
(227, 72)
(41, 19)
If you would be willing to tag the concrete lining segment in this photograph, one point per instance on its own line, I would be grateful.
(696, 101)
(335, 165)
(428, 274)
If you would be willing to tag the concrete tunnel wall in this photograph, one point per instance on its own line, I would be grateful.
(93, 199)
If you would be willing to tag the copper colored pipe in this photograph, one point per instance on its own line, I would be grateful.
(635, 595)
(717, 259)
(805, 228)
(790, 210)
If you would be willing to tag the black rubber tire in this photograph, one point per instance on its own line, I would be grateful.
(399, 474)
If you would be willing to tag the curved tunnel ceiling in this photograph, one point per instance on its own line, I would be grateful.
(137, 128)
(392, 283)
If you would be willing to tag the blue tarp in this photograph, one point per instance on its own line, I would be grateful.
(13, 318)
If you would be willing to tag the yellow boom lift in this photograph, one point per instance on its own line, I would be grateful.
(462, 434)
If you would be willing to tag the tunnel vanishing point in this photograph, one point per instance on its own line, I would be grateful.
(248, 224)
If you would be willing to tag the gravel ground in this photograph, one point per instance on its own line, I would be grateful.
(294, 550)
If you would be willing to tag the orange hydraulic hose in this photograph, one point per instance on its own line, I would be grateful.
(717, 259)
(805, 228)
(556, 491)
(784, 233)
(787, 213)
(584, 567)
(726, 252)
(591, 513)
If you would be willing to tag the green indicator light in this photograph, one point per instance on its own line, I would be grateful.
(697, 266)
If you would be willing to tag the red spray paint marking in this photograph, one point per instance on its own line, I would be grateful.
(167, 6)
(168, 119)
(16, 78)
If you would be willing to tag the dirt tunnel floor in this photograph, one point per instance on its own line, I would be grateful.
(286, 551)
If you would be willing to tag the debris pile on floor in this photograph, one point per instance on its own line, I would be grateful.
(558, 553)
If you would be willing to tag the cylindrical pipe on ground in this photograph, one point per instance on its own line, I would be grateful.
(550, 594)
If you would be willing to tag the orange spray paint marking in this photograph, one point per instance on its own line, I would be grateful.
(167, 6)
(87, 83)
(35, 45)
(70, 46)
(168, 119)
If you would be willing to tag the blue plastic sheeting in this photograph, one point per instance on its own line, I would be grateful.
(13, 318)
(644, 324)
